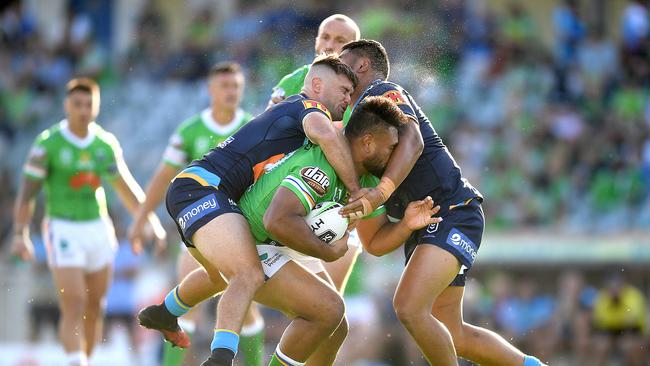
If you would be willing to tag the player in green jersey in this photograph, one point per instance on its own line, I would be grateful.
(191, 140)
(275, 207)
(70, 160)
(333, 32)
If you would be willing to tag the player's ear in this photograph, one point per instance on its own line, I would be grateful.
(364, 65)
(316, 85)
(368, 142)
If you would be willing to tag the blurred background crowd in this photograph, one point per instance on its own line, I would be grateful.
(545, 105)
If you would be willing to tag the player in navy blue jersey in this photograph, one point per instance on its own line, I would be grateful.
(428, 299)
(202, 200)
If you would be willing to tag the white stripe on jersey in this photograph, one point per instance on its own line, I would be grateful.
(35, 171)
(300, 186)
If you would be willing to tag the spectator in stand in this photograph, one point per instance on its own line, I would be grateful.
(635, 25)
(619, 319)
(569, 31)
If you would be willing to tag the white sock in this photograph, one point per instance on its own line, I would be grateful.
(286, 359)
(252, 329)
(189, 326)
(77, 358)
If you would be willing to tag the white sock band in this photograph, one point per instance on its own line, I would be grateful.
(252, 329)
(286, 359)
(189, 326)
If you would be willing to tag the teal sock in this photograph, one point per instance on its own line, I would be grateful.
(174, 304)
(224, 338)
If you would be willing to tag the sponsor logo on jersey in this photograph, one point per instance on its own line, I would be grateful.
(465, 244)
(226, 142)
(316, 179)
(395, 96)
(83, 179)
(197, 210)
(318, 105)
(267, 165)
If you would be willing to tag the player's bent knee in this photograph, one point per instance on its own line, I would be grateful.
(406, 312)
(250, 279)
(333, 310)
(323, 309)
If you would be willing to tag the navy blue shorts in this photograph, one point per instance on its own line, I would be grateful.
(459, 233)
(194, 199)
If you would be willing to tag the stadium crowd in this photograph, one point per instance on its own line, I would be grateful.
(555, 135)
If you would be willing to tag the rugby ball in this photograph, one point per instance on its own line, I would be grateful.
(326, 222)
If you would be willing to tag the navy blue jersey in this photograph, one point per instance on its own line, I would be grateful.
(435, 173)
(241, 158)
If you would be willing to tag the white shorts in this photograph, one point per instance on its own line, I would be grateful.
(273, 258)
(89, 245)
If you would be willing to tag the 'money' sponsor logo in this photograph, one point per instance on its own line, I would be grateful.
(197, 210)
(457, 238)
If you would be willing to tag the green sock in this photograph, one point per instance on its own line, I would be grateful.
(276, 362)
(279, 359)
(174, 356)
(252, 348)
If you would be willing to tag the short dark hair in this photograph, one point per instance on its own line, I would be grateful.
(374, 51)
(226, 67)
(85, 85)
(336, 65)
(372, 114)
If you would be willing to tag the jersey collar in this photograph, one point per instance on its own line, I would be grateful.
(77, 141)
(365, 92)
(227, 129)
